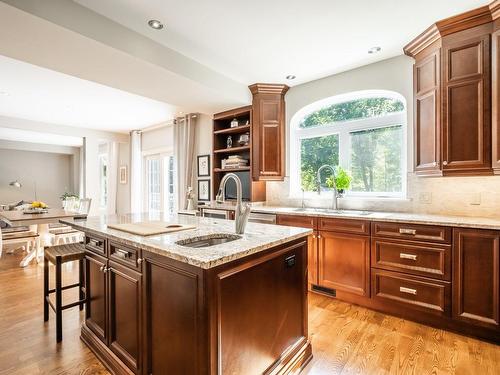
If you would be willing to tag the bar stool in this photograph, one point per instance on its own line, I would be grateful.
(58, 255)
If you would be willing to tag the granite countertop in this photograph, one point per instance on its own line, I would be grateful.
(257, 237)
(416, 218)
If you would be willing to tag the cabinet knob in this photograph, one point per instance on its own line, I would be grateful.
(434, 164)
(139, 261)
(319, 236)
(445, 162)
(103, 269)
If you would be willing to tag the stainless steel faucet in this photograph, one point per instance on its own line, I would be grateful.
(242, 210)
(335, 202)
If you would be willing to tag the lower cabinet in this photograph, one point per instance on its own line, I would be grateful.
(344, 262)
(125, 323)
(476, 277)
(96, 288)
(113, 309)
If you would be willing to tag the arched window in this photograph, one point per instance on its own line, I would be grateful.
(362, 132)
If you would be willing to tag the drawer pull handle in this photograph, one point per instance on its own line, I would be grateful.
(407, 256)
(122, 254)
(402, 289)
(96, 243)
(408, 231)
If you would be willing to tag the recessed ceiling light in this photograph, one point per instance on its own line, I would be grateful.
(4, 93)
(155, 24)
(290, 76)
(374, 50)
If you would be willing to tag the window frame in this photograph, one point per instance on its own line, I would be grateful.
(343, 129)
(103, 181)
(163, 158)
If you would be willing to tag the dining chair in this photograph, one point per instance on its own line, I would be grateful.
(28, 238)
(65, 234)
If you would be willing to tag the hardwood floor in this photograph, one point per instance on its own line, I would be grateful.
(346, 339)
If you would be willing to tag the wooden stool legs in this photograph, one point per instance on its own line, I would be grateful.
(58, 306)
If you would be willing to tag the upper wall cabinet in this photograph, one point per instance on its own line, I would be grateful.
(456, 100)
(268, 132)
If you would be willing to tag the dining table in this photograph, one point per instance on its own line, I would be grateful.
(38, 223)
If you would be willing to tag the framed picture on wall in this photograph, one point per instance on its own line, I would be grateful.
(203, 165)
(203, 190)
(123, 174)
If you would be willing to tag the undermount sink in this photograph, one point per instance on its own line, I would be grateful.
(336, 212)
(208, 240)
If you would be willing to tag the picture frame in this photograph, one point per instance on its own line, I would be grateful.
(204, 190)
(203, 165)
(123, 174)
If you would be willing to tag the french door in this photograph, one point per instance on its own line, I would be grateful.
(159, 183)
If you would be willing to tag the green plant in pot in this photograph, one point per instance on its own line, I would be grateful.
(342, 181)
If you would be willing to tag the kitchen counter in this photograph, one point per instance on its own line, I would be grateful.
(445, 220)
(257, 237)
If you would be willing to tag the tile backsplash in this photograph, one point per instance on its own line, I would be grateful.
(463, 196)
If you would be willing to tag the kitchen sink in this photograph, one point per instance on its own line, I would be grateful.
(336, 212)
(208, 240)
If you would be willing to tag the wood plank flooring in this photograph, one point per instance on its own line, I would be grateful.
(346, 339)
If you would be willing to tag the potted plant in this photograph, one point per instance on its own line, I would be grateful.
(342, 181)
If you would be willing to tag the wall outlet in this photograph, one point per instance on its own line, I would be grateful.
(425, 197)
(475, 199)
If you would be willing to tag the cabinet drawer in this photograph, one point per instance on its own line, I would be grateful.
(296, 221)
(95, 243)
(127, 256)
(418, 293)
(418, 232)
(415, 258)
(344, 225)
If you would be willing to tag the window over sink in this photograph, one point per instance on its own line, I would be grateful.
(362, 132)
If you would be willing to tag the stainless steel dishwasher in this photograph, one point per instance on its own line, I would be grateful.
(262, 218)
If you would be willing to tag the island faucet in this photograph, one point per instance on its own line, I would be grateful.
(242, 210)
(335, 202)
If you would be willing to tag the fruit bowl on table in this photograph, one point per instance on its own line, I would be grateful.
(37, 208)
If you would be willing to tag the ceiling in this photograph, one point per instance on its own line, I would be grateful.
(263, 40)
(21, 135)
(30, 92)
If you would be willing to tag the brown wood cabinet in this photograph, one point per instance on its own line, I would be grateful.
(268, 135)
(125, 320)
(427, 115)
(495, 81)
(476, 277)
(96, 288)
(453, 95)
(344, 262)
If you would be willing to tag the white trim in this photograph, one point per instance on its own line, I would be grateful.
(343, 129)
(157, 151)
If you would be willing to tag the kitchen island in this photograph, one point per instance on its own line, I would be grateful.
(161, 304)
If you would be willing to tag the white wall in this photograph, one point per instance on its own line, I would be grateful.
(49, 170)
(203, 146)
(123, 190)
(439, 195)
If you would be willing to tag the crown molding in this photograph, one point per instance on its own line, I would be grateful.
(460, 22)
(268, 88)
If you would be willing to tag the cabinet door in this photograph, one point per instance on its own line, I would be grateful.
(312, 259)
(466, 105)
(427, 86)
(495, 80)
(344, 262)
(96, 289)
(476, 277)
(125, 289)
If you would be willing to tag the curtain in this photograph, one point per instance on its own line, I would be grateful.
(135, 172)
(112, 177)
(184, 136)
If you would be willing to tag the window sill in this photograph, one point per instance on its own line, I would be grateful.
(328, 197)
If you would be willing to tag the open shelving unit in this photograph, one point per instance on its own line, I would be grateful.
(221, 131)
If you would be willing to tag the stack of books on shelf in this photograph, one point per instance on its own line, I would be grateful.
(234, 162)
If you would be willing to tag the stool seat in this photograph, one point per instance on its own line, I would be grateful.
(67, 252)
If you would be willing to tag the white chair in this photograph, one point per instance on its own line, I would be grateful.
(65, 234)
(29, 239)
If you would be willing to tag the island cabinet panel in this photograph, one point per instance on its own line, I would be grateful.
(173, 317)
(96, 289)
(476, 277)
(466, 103)
(495, 81)
(125, 324)
(253, 299)
(344, 262)
(427, 122)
